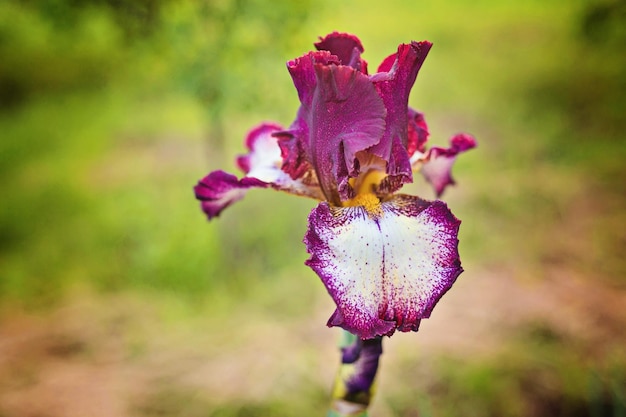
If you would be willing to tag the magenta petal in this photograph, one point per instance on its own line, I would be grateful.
(417, 133)
(437, 168)
(394, 87)
(462, 142)
(294, 142)
(295, 162)
(387, 270)
(387, 63)
(347, 116)
(346, 47)
(219, 190)
(280, 165)
(303, 73)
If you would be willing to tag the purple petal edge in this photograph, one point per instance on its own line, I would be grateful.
(347, 116)
(220, 189)
(394, 87)
(414, 245)
(348, 48)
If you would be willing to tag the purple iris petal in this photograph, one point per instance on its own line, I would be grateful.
(294, 142)
(303, 74)
(385, 270)
(346, 47)
(394, 86)
(347, 116)
(437, 168)
(340, 114)
(387, 63)
(417, 132)
(295, 162)
(219, 190)
(262, 165)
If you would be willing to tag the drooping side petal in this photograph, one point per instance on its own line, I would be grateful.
(394, 87)
(266, 163)
(385, 269)
(263, 167)
(438, 162)
(347, 116)
(219, 190)
(346, 47)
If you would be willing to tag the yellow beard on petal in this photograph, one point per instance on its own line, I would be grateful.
(365, 197)
(369, 201)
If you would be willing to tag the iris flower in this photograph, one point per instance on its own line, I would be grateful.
(385, 258)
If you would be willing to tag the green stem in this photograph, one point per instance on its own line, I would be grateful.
(355, 383)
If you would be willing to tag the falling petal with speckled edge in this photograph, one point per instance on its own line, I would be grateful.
(385, 270)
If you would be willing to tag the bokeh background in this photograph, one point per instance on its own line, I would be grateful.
(118, 298)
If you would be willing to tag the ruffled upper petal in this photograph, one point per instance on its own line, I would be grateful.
(347, 116)
(348, 124)
(385, 269)
(303, 73)
(394, 86)
(438, 162)
(340, 114)
(346, 47)
(294, 142)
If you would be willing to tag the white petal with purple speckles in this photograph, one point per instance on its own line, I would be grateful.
(385, 270)
(262, 165)
(264, 162)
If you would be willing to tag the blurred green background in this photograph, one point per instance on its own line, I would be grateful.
(118, 298)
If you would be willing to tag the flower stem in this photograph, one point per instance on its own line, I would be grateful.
(355, 383)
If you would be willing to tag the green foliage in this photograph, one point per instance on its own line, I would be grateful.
(537, 373)
(186, 403)
(39, 58)
(77, 84)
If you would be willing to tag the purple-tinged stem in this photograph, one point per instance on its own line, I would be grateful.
(355, 383)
